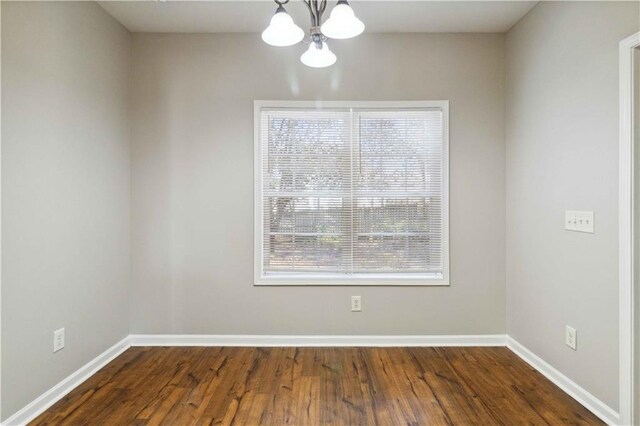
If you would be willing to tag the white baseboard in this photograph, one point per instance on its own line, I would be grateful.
(53, 395)
(590, 402)
(319, 341)
(50, 397)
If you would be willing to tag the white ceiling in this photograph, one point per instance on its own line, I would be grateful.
(382, 16)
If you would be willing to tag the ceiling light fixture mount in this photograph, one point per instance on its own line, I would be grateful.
(342, 24)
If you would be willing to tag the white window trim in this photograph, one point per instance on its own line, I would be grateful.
(407, 279)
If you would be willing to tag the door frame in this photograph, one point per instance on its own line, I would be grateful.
(626, 230)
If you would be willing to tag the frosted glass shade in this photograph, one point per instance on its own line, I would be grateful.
(282, 31)
(342, 23)
(318, 58)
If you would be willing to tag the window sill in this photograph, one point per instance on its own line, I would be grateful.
(397, 280)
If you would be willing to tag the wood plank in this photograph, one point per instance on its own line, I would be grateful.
(313, 386)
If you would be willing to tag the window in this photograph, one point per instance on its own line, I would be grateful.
(351, 193)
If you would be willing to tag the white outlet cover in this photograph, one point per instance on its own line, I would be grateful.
(58, 340)
(356, 304)
(571, 337)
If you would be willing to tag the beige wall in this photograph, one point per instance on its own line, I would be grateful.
(65, 191)
(193, 182)
(562, 154)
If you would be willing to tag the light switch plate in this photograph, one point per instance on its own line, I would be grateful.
(579, 221)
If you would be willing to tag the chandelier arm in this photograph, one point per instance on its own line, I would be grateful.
(322, 7)
(313, 17)
(317, 12)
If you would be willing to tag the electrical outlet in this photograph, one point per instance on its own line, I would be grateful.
(58, 340)
(571, 338)
(356, 303)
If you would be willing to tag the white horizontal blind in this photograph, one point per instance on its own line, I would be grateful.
(351, 192)
(306, 191)
(397, 191)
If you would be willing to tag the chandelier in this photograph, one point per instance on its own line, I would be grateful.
(342, 24)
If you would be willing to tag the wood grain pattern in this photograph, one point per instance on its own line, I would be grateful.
(312, 386)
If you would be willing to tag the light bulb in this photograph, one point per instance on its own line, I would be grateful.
(342, 23)
(282, 31)
(318, 58)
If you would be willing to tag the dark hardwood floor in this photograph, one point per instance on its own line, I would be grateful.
(306, 386)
